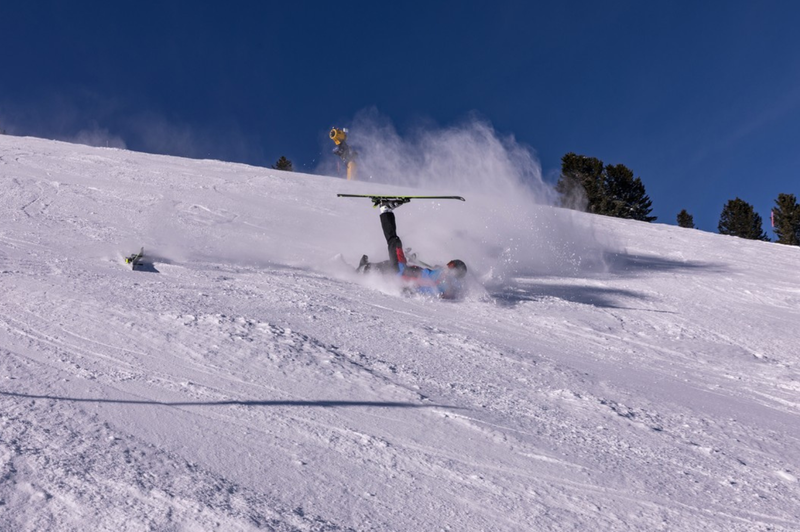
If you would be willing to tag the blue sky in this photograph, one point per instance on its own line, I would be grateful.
(700, 99)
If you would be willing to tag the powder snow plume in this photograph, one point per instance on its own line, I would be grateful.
(510, 224)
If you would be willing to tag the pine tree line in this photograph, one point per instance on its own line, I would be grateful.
(586, 183)
(739, 218)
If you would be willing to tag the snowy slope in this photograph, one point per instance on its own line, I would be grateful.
(601, 375)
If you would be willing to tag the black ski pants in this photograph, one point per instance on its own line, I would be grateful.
(393, 242)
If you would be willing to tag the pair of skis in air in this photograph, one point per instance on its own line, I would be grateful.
(377, 199)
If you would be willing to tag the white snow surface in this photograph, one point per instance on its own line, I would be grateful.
(601, 374)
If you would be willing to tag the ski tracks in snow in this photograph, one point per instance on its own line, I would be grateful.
(69, 467)
(254, 389)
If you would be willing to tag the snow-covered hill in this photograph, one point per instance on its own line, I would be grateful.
(601, 375)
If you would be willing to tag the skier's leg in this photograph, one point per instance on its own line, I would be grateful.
(385, 267)
(392, 240)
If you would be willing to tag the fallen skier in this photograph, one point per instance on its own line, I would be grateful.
(446, 282)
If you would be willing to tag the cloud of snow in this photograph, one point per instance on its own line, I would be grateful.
(75, 117)
(84, 117)
(97, 136)
(509, 226)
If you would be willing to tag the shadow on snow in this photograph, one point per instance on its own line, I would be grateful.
(526, 288)
(317, 403)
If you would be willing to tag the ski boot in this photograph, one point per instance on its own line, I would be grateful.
(363, 265)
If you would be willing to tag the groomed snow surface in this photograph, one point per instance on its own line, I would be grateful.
(601, 374)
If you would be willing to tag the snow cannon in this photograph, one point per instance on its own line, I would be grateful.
(339, 136)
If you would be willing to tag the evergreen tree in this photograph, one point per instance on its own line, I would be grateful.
(610, 190)
(786, 217)
(625, 196)
(738, 218)
(685, 219)
(581, 182)
(283, 164)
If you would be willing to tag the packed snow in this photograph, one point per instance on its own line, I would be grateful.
(600, 374)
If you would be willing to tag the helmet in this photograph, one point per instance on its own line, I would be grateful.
(457, 267)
